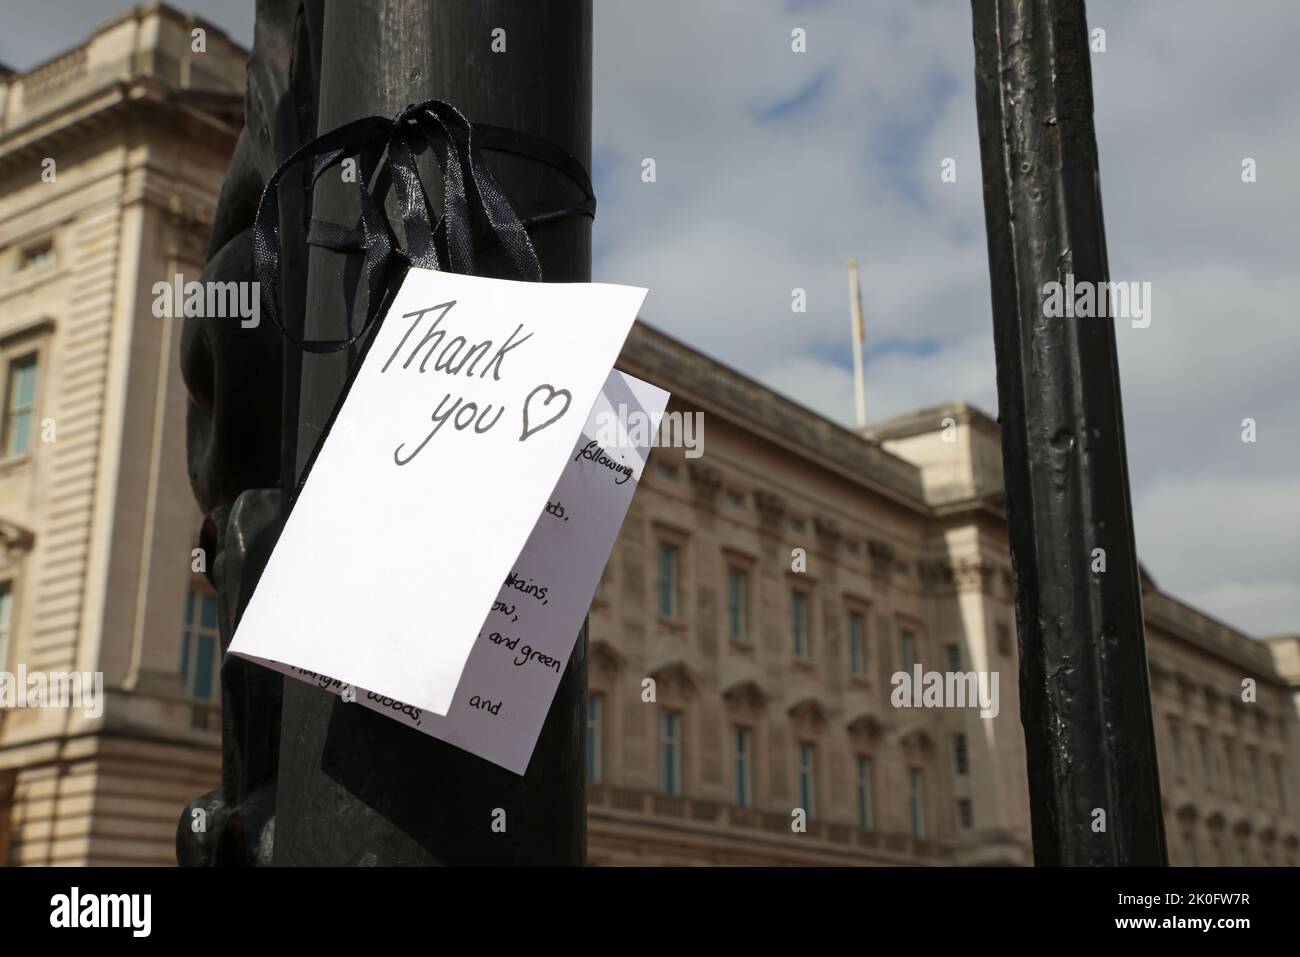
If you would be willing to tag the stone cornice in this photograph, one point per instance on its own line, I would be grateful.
(866, 727)
(706, 482)
(771, 509)
(108, 108)
(745, 696)
(604, 657)
(14, 538)
(720, 390)
(917, 738)
(676, 679)
(1206, 634)
(962, 575)
(810, 712)
(882, 558)
(828, 532)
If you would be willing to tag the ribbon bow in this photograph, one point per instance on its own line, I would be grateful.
(449, 243)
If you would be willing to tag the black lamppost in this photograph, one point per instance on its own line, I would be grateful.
(1085, 698)
(354, 787)
(342, 784)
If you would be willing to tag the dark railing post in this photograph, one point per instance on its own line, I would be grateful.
(1085, 697)
(243, 389)
(355, 787)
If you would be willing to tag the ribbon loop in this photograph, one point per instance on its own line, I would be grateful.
(452, 138)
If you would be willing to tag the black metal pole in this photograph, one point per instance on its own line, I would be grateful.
(354, 787)
(1085, 697)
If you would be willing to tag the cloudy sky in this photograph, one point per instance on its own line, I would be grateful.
(774, 168)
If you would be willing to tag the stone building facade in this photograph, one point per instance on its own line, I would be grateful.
(111, 158)
(772, 679)
(757, 603)
(1226, 731)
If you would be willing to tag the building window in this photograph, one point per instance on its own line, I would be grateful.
(916, 802)
(953, 651)
(965, 814)
(670, 752)
(1230, 759)
(1252, 762)
(1004, 639)
(738, 604)
(807, 778)
(960, 754)
(1278, 777)
(906, 650)
(744, 769)
(857, 643)
(20, 405)
(36, 255)
(6, 616)
(736, 499)
(801, 624)
(670, 562)
(866, 809)
(200, 646)
(595, 738)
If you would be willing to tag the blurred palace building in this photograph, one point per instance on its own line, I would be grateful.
(771, 686)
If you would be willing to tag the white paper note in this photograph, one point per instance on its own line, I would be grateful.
(524, 645)
(452, 436)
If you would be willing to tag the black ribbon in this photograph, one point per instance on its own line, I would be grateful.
(449, 243)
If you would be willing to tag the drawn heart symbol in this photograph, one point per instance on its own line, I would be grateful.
(553, 394)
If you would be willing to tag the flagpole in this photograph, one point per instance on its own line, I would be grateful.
(859, 334)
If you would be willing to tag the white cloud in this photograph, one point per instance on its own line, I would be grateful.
(1230, 544)
(745, 210)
